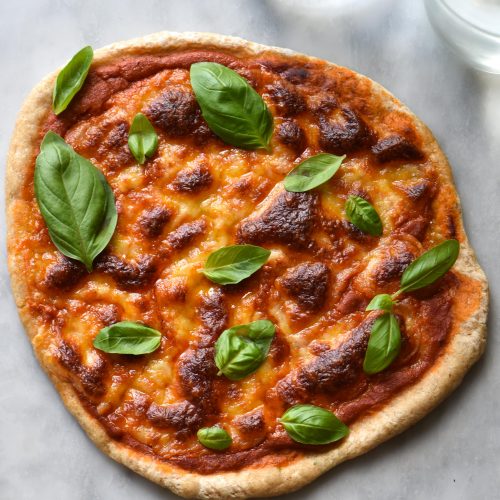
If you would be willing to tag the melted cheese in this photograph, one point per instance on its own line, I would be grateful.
(242, 185)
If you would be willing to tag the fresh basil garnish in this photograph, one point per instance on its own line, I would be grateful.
(75, 200)
(385, 337)
(128, 337)
(214, 438)
(309, 424)
(382, 302)
(362, 214)
(312, 172)
(430, 266)
(383, 345)
(142, 138)
(71, 78)
(234, 263)
(240, 350)
(232, 108)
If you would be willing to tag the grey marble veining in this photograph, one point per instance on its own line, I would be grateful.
(453, 454)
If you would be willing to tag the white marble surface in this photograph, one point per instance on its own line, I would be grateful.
(454, 452)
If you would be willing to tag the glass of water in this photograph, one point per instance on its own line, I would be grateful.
(471, 28)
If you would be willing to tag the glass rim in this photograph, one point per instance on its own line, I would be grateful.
(453, 12)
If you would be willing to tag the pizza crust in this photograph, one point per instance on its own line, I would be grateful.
(405, 409)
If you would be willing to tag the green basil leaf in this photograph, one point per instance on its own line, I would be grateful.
(430, 266)
(142, 138)
(309, 424)
(232, 108)
(312, 172)
(75, 200)
(232, 264)
(71, 78)
(128, 337)
(240, 350)
(384, 344)
(381, 302)
(214, 438)
(362, 214)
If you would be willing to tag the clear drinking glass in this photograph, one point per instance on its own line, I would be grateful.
(471, 28)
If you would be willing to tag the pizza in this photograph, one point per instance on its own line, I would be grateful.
(239, 265)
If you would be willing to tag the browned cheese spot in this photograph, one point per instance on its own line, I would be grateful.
(64, 274)
(192, 180)
(252, 422)
(330, 371)
(176, 112)
(396, 147)
(185, 417)
(307, 283)
(128, 275)
(196, 371)
(153, 220)
(213, 314)
(185, 234)
(91, 378)
(395, 261)
(418, 214)
(344, 134)
(109, 314)
(289, 220)
(287, 100)
(291, 134)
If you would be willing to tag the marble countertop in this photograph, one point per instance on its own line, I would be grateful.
(454, 453)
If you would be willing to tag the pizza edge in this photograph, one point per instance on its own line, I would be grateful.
(464, 348)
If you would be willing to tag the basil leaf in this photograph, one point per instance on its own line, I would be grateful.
(384, 344)
(71, 78)
(234, 263)
(240, 350)
(312, 172)
(142, 138)
(430, 266)
(214, 438)
(75, 200)
(232, 108)
(381, 302)
(362, 214)
(309, 424)
(128, 337)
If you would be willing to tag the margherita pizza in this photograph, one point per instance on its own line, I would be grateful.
(240, 266)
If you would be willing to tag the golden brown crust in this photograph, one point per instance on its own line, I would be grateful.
(464, 348)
